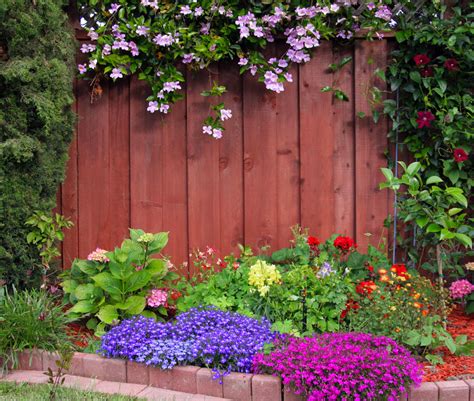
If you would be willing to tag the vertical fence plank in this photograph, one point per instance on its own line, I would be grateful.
(69, 196)
(158, 171)
(344, 155)
(317, 144)
(103, 165)
(203, 167)
(117, 221)
(231, 195)
(271, 163)
(371, 143)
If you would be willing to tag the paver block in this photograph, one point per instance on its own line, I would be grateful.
(114, 370)
(77, 365)
(30, 360)
(455, 390)
(49, 361)
(159, 394)
(425, 392)
(207, 385)
(266, 388)
(81, 383)
(138, 373)
(238, 386)
(27, 376)
(470, 383)
(160, 378)
(129, 389)
(184, 379)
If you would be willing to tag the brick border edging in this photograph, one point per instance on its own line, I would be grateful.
(196, 380)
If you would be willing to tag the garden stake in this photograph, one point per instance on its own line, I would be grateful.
(441, 284)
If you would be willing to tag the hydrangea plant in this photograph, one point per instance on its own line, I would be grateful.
(112, 285)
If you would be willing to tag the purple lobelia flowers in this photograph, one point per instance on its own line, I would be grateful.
(342, 366)
(223, 341)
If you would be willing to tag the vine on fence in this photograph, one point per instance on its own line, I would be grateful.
(151, 38)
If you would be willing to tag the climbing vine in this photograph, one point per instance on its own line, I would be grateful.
(151, 39)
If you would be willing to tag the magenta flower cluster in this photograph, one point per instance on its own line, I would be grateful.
(223, 341)
(460, 289)
(342, 366)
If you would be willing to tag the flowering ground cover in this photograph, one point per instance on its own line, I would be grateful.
(337, 366)
(224, 341)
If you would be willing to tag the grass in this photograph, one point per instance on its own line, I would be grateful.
(40, 392)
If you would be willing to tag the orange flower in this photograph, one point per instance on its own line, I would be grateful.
(382, 272)
(384, 278)
(416, 296)
(424, 312)
(417, 305)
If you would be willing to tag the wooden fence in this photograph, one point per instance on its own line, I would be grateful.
(299, 157)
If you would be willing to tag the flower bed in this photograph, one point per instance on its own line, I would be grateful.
(195, 380)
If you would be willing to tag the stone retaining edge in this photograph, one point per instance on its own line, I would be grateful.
(196, 380)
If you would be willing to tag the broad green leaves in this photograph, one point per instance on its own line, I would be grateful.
(110, 291)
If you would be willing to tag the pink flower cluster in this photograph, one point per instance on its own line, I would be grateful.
(99, 255)
(342, 366)
(460, 289)
(157, 298)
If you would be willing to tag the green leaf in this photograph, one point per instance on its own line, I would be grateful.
(86, 266)
(433, 228)
(160, 241)
(413, 168)
(450, 344)
(442, 85)
(84, 291)
(156, 267)
(134, 305)
(108, 283)
(85, 306)
(148, 313)
(464, 239)
(422, 221)
(454, 210)
(433, 180)
(108, 314)
(137, 281)
(69, 286)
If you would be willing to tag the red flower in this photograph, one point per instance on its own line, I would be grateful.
(344, 243)
(460, 155)
(426, 72)
(349, 305)
(370, 268)
(421, 59)
(424, 119)
(313, 241)
(175, 295)
(451, 64)
(400, 270)
(365, 287)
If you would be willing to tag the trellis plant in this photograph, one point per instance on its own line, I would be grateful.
(110, 286)
(437, 209)
(151, 39)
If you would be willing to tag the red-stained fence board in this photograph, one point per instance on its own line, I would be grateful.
(158, 171)
(271, 163)
(370, 144)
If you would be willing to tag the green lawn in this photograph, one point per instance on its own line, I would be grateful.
(39, 392)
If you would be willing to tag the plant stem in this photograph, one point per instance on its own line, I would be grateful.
(441, 284)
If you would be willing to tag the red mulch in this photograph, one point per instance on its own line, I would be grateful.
(454, 366)
(79, 334)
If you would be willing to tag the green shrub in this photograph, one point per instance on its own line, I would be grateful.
(30, 319)
(36, 124)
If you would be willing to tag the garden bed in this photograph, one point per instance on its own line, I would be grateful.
(196, 380)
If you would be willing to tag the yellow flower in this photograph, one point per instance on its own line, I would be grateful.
(262, 275)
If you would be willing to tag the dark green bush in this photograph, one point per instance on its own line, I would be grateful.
(36, 123)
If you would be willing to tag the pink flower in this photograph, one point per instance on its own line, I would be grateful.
(116, 73)
(152, 106)
(157, 298)
(82, 68)
(226, 114)
(460, 155)
(424, 119)
(99, 255)
(460, 289)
